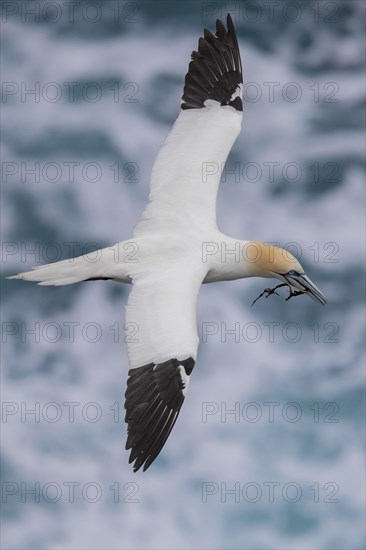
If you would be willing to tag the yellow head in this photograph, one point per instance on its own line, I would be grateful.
(265, 260)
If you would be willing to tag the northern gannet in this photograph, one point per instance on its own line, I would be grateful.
(176, 246)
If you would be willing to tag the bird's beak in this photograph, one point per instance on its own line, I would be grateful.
(302, 283)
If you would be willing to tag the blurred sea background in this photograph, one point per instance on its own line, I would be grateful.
(286, 469)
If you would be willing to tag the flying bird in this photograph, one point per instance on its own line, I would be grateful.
(176, 246)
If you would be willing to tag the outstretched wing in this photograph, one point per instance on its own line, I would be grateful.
(162, 348)
(186, 174)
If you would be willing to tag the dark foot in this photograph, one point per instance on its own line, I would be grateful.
(294, 293)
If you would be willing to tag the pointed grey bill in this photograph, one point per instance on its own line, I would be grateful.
(301, 282)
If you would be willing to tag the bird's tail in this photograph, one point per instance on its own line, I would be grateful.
(65, 272)
(103, 265)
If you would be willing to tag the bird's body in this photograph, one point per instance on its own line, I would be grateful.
(176, 246)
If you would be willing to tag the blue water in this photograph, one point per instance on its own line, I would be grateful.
(268, 452)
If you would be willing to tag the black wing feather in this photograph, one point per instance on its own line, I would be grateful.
(216, 68)
(154, 397)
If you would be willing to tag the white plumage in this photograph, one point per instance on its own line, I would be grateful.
(183, 184)
(167, 258)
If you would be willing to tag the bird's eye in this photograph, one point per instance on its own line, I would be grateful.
(292, 272)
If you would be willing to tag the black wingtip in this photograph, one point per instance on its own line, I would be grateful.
(230, 24)
(215, 71)
(154, 397)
